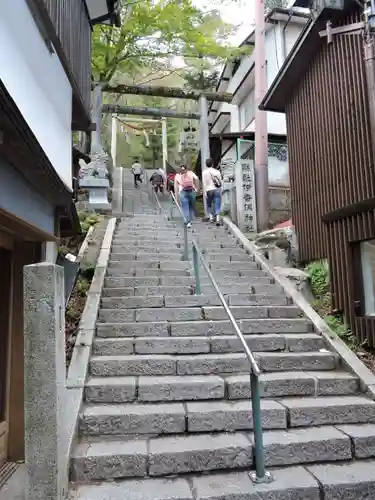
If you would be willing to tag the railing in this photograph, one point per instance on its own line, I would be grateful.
(72, 27)
(260, 475)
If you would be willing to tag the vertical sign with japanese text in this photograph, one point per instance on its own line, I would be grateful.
(248, 206)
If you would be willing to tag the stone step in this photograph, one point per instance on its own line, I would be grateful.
(151, 314)
(247, 326)
(143, 246)
(233, 274)
(151, 389)
(173, 298)
(304, 412)
(160, 456)
(141, 259)
(147, 291)
(174, 418)
(224, 267)
(144, 240)
(292, 361)
(217, 313)
(118, 254)
(201, 328)
(132, 281)
(199, 364)
(199, 345)
(306, 445)
(198, 387)
(211, 364)
(231, 280)
(345, 481)
(156, 312)
(232, 256)
(246, 299)
(294, 483)
(252, 288)
(282, 384)
(141, 271)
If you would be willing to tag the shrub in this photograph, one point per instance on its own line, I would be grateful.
(318, 272)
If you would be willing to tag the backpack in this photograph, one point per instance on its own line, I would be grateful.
(216, 181)
(187, 181)
(157, 178)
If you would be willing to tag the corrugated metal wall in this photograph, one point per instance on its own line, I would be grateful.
(331, 166)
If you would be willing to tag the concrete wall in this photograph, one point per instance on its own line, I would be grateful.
(37, 83)
(19, 198)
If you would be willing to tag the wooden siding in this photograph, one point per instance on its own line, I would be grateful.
(331, 166)
(71, 22)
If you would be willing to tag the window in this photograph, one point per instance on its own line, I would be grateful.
(368, 275)
(247, 110)
(236, 65)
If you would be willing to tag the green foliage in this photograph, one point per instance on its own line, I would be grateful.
(72, 313)
(87, 272)
(82, 286)
(338, 326)
(87, 220)
(201, 80)
(153, 31)
(319, 276)
(272, 4)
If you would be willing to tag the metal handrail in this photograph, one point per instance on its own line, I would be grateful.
(260, 475)
(157, 201)
(186, 241)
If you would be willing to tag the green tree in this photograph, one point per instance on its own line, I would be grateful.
(273, 4)
(152, 33)
(196, 79)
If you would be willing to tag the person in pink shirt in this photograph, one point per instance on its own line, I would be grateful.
(186, 186)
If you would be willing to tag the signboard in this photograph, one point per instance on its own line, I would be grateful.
(245, 194)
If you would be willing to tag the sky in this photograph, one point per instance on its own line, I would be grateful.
(239, 13)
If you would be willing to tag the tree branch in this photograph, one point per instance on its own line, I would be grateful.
(172, 92)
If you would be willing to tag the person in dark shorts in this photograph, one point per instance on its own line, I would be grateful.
(137, 170)
(157, 181)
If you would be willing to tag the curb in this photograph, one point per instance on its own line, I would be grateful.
(85, 244)
(79, 364)
(350, 360)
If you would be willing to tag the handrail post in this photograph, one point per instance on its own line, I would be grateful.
(196, 271)
(260, 475)
(186, 243)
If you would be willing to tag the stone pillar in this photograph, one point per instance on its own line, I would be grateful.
(44, 359)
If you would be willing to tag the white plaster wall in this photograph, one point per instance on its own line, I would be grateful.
(273, 43)
(240, 74)
(37, 83)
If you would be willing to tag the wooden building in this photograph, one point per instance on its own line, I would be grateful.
(45, 94)
(322, 89)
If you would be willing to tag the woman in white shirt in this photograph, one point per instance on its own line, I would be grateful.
(212, 186)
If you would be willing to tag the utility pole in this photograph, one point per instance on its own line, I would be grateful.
(164, 143)
(96, 138)
(261, 135)
(114, 140)
(204, 137)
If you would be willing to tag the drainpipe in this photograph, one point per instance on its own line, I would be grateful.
(283, 41)
(261, 137)
(369, 56)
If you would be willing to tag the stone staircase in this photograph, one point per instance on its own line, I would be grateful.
(167, 414)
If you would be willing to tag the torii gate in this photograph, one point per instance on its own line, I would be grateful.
(202, 116)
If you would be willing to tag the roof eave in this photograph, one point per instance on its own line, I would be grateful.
(275, 98)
